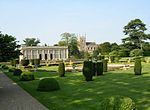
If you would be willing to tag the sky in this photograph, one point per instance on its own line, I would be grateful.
(100, 20)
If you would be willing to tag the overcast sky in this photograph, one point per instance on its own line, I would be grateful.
(100, 20)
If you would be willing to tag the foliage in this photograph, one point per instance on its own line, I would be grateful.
(136, 52)
(105, 48)
(48, 84)
(105, 65)
(14, 62)
(88, 70)
(27, 76)
(70, 40)
(17, 72)
(137, 66)
(31, 41)
(99, 68)
(11, 69)
(25, 62)
(8, 47)
(135, 31)
(5, 67)
(61, 69)
(117, 103)
(78, 95)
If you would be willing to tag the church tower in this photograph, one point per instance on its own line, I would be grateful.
(82, 43)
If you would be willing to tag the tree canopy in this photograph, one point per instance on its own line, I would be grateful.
(31, 41)
(135, 32)
(8, 47)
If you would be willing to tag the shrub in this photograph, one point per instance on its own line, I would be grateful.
(137, 66)
(117, 103)
(99, 68)
(48, 84)
(94, 68)
(14, 62)
(27, 76)
(11, 69)
(5, 67)
(61, 69)
(24, 62)
(105, 65)
(17, 72)
(88, 70)
(136, 52)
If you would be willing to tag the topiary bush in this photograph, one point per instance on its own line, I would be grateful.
(28, 76)
(17, 72)
(99, 68)
(117, 103)
(25, 62)
(11, 69)
(88, 70)
(105, 65)
(14, 62)
(94, 68)
(61, 69)
(137, 66)
(48, 84)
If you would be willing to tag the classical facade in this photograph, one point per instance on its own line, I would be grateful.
(44, 52)
(86, 46)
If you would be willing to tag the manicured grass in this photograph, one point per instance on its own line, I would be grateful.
(77, 94)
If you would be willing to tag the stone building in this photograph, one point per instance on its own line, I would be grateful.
(86, 46)
(44, 52)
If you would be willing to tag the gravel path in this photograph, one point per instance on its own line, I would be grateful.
(13, 97)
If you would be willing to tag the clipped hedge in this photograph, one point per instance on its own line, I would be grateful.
(11, 69)
(28, 76)
(99, 68)
(25, 62)
(117, 103)
(48, 84)
(105, 65)
(5, 67)
(94, 68)
(17, 72)
(61, 69)
(137, 66)
(88, 70)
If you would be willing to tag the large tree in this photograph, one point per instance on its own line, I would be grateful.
(135, 33)
(8, 47)
(70, 40)
(31, 41)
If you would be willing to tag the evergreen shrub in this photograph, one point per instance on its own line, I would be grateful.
(118, 103)
(137, 66)
(48, 84)
(105, 65)
(61, 69)
(99, 68)
(28, 76)
(88, 70)
(25, 62)
(17, 72)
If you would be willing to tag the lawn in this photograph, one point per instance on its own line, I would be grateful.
(77, 94)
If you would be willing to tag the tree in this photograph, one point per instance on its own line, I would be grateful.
(8, 47)
(135, 32)
(70, 40)
(66, 38)
(31, 41)
(105, 48)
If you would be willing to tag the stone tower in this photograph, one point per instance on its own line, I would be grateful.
(82, 43)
